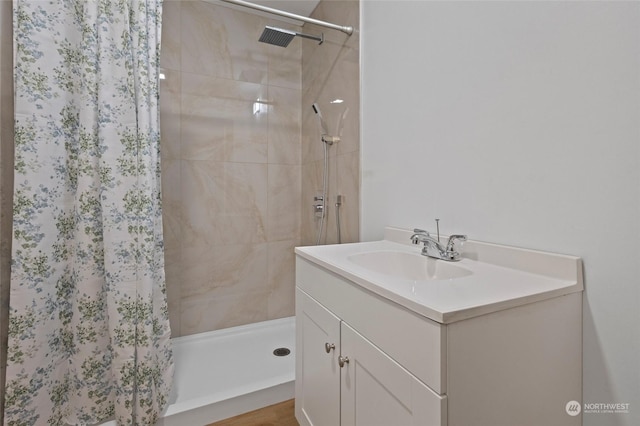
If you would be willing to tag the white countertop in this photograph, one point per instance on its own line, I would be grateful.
(502, 277)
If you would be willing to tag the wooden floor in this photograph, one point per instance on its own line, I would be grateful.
(275, 415)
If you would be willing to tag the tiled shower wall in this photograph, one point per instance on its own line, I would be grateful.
(331, 78)
(231, 130)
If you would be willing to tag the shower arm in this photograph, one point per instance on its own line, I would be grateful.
(345, 29)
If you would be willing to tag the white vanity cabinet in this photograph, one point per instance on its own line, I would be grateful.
(373, 387)
(318, 401)
(376, 390)
(516, 366)
(369, 389)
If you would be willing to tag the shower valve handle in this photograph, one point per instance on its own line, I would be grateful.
(329, 346)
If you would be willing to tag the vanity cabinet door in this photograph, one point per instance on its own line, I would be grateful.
(377, 391)
(317, 372)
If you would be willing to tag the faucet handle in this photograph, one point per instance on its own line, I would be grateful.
(415, 238)
(453, 239)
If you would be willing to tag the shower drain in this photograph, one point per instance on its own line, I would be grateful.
(281, 352)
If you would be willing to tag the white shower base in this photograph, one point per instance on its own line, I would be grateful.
(223, 373)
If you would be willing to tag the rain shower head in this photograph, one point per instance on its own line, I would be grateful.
(277, 36)
(281, 37)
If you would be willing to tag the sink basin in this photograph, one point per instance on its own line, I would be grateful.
(408, 266)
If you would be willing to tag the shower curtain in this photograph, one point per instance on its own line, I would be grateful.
(88, 330)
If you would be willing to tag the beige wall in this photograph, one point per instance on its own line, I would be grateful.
(230, 117)
(331, 71)
(6, 180)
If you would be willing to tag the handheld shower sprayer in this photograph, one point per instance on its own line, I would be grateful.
(325, 173)
(320, 200)
(323, 125)
(326, 138)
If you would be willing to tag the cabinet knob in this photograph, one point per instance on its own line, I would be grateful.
(329, 346)
(342, 360)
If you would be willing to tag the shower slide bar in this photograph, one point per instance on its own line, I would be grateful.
(345, 29)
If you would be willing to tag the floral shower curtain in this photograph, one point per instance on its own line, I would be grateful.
(88, 330)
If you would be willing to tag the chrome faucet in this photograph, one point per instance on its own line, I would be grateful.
(433, 248)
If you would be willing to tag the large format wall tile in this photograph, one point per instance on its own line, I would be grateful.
(219, 121)
(243, 157)
(281, 278)
(170, 114)
(212, 312)
(171, 213)
(284, 125)
(224, 270)
(348, 171)
(330, 78)
(231, 126)
(171, 35)
(284, 64)
(283, 220)
(222, 42)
